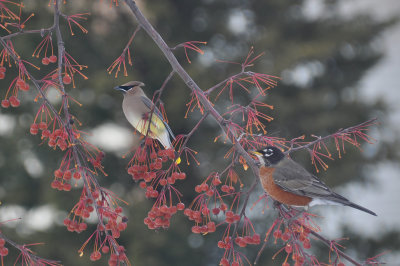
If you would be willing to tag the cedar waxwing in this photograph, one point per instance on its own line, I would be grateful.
(137, 109)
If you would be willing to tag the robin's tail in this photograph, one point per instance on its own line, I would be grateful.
(358, 207)
(342, 200)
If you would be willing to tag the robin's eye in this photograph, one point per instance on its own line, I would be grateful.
(268, 152)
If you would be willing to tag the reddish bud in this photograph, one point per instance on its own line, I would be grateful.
(2, 75)
(2, 69)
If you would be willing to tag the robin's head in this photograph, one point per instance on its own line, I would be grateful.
(135, 85)
(269, 156)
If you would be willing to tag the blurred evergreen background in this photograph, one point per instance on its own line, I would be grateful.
(325, 55)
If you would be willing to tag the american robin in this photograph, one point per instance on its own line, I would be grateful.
(137, 109)
(289, 183)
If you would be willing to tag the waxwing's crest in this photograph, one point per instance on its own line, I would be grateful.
(129, 85)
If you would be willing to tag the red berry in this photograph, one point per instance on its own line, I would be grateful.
(34, 129)
(2, 69)
(286, 236)
(67, 187)
(96, 255)
(82, 226)
(215, 211)
(53, 59)
(105, 249)
(67, 175)
(2, 242)
(306, 244)
(76, 175)
(67, 221)
(2, 75)
(163, 182)
(45, 61)
(216, 181)
(14, 101)
(225, 188)
(24, 87)
(67, 79)
(5, 103)
(58, 173)
(224, 262)
(288, 248)
(182, 176)
(20, 83)
(3, 251)
(180, 206)
(277, 233)
(197, 188)
(256, 239)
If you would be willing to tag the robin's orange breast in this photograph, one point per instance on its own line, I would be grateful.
(278, 193)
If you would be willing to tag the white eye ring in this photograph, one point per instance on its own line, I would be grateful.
(268, 152)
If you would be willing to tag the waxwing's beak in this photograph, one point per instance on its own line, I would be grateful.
(119, 88)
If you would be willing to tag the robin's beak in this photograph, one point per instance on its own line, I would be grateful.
(257, 156)
(255, 153)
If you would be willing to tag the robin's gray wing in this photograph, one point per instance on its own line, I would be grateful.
(292, 177)
(157, 112)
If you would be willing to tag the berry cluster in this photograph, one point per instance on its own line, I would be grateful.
(58, 137)
(114, 258)
(146, 167)
(20, 85)
(47, 60)
(248, 240)
(159, 217)
(62, 179)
